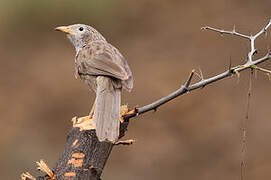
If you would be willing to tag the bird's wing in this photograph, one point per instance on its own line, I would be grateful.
(101, 58)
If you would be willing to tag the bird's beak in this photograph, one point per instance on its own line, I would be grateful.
(64, 29)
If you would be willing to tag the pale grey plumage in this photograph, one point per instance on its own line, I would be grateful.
(107, 99)
(102, 67)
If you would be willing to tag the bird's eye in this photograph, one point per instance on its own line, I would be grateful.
(81, 29)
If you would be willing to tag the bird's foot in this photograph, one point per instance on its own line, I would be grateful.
(84, 123)
(124, 110)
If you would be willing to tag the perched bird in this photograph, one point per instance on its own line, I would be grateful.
(102, 67)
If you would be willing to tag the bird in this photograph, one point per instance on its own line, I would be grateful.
(104, 70)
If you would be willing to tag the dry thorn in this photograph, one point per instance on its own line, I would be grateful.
(188, 81)
(42, 166)
(27, 176)
(229, 69)
(237, 74)
(200, 74)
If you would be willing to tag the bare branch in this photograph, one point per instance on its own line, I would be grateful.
(187, 83)
(251, 38)
(221, 31)
(197, 85)
(263, 30)
(229, 69)
(248, 65)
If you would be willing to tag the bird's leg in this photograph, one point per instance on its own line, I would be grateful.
(92, 110)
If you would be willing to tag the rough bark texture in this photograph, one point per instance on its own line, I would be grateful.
(95, 156)
(84, 157)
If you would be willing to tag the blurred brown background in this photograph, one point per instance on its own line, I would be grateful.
(196, 136)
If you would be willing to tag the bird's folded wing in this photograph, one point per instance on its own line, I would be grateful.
(104, 62)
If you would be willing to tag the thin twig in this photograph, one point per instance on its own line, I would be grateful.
(229, 69)
(263, 70)
(221, 31)
(201, 74)
(264, 29)
(187, 83)
(244, 131)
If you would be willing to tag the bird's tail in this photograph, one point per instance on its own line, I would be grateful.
(107, 110)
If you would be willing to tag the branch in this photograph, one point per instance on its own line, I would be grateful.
(221, 31)
(263, 30)
(250, 38)
(183, 89)
(231, 71)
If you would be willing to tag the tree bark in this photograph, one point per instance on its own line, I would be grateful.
(84, 157)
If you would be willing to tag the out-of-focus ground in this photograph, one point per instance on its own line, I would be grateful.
(196, 136)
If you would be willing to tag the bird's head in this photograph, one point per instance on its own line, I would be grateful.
(80, 34)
